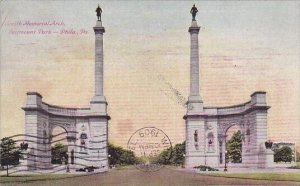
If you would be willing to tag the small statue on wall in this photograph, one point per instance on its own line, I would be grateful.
(72, 156)
(44, 136)
(196, 139)
(248, 135)
(83, 137)
(210, 145)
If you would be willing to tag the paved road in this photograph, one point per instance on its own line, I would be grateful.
(134, 177)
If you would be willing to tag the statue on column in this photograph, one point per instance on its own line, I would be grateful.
(194, 11)
(99, 12)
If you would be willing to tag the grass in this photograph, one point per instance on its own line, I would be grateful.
(263, 176)
(131, 176)
(123, 167)
(35, 177)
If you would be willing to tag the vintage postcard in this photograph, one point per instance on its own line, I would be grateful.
(149, 92)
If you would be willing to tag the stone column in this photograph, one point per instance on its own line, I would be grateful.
(194, 60)
(195, 102)
(99, 30)
(98, 120)
(98, 103)
(195, 122)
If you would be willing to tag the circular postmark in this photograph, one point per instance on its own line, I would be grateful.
(152, 146)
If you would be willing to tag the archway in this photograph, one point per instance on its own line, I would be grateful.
(234, 144)
(59, 145)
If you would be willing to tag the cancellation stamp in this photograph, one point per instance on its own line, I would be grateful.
(148, 143)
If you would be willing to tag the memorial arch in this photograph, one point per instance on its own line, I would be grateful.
(206, 127)
(86, 128)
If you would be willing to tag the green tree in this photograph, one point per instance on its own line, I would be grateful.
(297, 156)
(120, 156)
(58, 152)
(10, 154)
(234, 148)
(164, 158)
(172, 156)
(178, 154)
(284, 154)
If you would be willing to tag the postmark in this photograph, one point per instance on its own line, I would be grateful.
(148, 143)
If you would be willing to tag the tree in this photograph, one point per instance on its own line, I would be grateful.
(234, 148)
(120, 156)
(164, 158)
(10, 154)
(172, 156)
(177, 157)
(58, 152)
(284, 154)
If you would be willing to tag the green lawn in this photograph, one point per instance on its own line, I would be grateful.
(24, 178)
(130, 176)
(137, 177)
(263, 176)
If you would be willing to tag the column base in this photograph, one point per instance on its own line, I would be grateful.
(195, 105)
(98, 99)
(99, 105)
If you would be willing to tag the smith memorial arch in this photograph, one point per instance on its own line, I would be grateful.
(87, 128)
(206, 127)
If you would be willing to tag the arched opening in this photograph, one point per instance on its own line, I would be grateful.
(59, 145)
(234, 142)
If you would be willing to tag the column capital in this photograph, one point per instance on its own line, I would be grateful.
(99, 29)
(194, 28)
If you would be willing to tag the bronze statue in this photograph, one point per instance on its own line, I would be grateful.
(99, 12)
(194, 11)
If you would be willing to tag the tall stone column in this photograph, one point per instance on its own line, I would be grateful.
(195, 102)
(99, 30)
(98, 103)
(194, 59)
(98, 122)
(195, 122)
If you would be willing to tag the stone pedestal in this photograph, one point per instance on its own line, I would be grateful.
(23, 166)
(266, 159)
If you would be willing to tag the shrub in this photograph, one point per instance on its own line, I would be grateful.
(283, 154)
(204, 168)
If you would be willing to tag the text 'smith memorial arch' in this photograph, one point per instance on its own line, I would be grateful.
(86, 128)
(206, 127)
